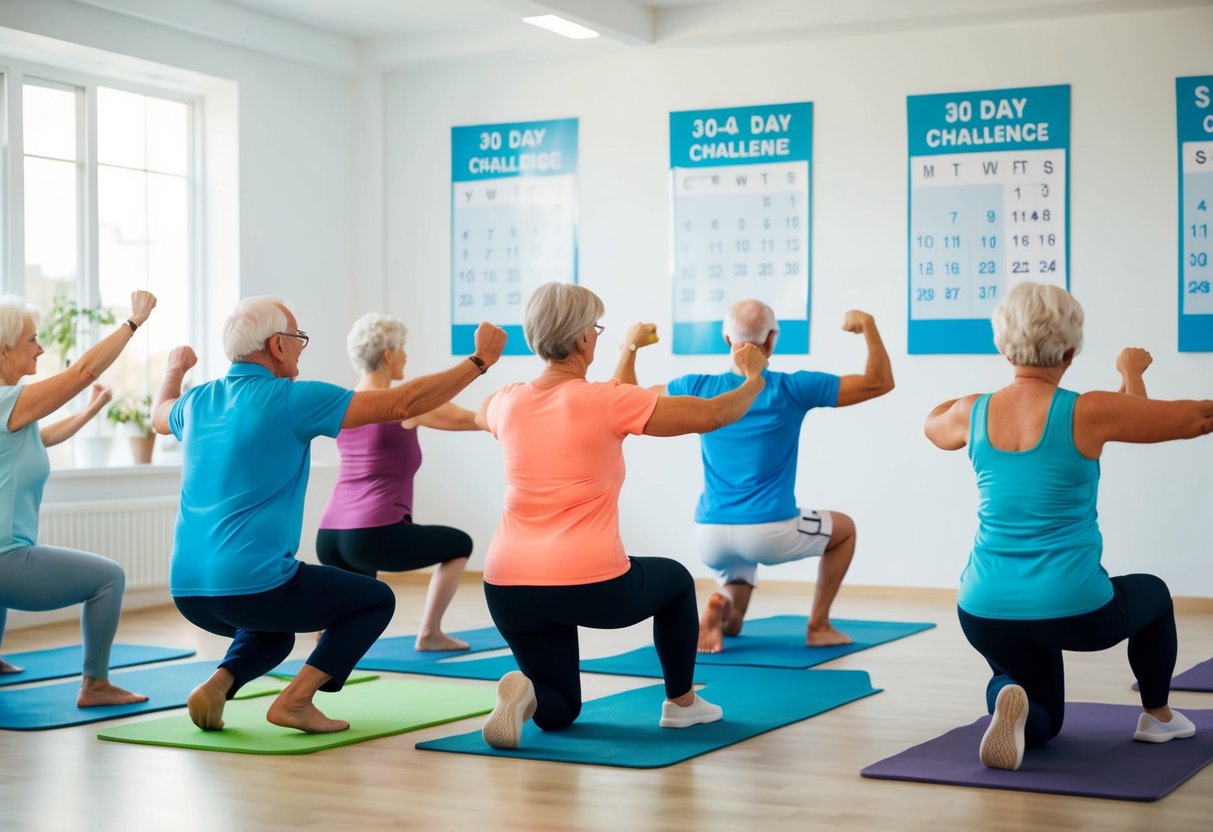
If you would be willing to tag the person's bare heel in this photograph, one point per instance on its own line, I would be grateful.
(711, 624)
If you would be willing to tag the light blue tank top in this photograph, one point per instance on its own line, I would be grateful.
(24, 468)
(1037, 549)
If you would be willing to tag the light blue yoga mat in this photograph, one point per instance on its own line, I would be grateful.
(622, 729)
(776, 642)
(397, 654)
(166, 686)
(61, 662)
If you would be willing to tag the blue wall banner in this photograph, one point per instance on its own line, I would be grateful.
(740, 194)
(513, 222)
(1194, 109)
(989, 208)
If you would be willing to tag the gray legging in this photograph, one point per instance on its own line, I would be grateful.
(38, 578)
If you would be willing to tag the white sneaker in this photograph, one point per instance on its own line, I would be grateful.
(1003, 743)
(700, 711)
(1150, 729)
(515, 705)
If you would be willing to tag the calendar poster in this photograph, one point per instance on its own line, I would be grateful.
(989, 208)
(1194, 106)
(513, 222)
(740, 193)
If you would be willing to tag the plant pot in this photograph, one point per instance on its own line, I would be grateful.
(142, 447)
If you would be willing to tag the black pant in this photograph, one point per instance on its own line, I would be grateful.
(540, 625)
(396, 548)
(1028, 652)
(353, 611)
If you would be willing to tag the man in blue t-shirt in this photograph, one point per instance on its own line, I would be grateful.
(747, 513)
(246, 452)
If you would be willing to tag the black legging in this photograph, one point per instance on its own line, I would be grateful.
(1028, 652)
(397, 548)
(540, 625)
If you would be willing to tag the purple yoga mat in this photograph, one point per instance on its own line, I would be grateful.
(1199, 678)
(1094, 756)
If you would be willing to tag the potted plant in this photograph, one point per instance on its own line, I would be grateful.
(136, 414)
(60, 330)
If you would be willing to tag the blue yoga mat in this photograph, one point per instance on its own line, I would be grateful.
(622, 729)
(776, 642)
(167, 686)
(61, 662)
(397, 653)
(1093, 756)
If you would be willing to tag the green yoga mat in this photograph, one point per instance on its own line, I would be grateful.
(374, 709)
(622, 729)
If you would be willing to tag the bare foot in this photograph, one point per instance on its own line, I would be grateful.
(711, 623)
(441, 641)
(95, 692)
(5, 667)
(826, 636)
(206, 703)
(305, 716)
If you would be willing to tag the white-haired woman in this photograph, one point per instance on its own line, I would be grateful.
(34, 577)
(368, 525)
(1034, 586)
(556, 561)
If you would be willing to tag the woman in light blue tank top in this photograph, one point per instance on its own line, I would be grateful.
(1034, 585)
(34, 577)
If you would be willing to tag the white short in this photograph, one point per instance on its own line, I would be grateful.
(735, 551)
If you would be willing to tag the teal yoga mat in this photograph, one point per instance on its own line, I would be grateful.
(61, 662)
(396, 654)
(375, 709)
(167, 686)
(622, 729)
(776, 642)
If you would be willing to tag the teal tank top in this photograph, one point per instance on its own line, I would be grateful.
(1038, 546)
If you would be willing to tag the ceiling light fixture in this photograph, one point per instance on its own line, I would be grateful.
(560, 26)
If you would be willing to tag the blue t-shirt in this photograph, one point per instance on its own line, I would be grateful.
(246, 440)
(24, 467)
(1037, 550)
(749, 467)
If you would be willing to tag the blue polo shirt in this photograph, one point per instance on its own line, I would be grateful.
(246, 442)
(749, 467)
(24, 467)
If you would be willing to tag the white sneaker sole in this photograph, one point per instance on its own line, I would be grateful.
(515, 705)
(1003, 743)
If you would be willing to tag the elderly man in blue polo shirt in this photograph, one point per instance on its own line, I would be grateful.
(246, 440)
(747, 514)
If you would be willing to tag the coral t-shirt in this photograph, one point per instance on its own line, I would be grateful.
(563, 471)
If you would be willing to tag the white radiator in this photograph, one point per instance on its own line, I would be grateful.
(136, 533)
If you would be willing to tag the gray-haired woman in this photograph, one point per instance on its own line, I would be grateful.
(34, 577)
(1034, 585)
(557, 561)
(368, 525)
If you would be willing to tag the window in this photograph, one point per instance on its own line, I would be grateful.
(99, 201)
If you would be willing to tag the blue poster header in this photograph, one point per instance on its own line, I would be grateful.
(1028, 118)
(524, 148)
(741, 135)
(1194, 108)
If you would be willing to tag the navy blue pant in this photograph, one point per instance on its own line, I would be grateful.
(399, 547)
(1028, 652)
(540, 625)
(352, 610)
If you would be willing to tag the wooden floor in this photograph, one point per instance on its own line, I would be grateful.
(802, 776)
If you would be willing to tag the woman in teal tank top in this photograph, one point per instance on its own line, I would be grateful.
(1034, 585)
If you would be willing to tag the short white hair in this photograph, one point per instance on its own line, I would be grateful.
(556, 315)
(749, 322)
(1036, 325)
(14, 313)
(370, 336)
(251, 324)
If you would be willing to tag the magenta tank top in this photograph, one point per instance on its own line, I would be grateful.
(375, 481)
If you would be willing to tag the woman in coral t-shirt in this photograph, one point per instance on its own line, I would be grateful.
(556, 561)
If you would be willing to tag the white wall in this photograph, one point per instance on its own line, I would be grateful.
(914, 505)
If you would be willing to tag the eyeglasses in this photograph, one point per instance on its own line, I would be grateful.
(599, 328)
(300, 334)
